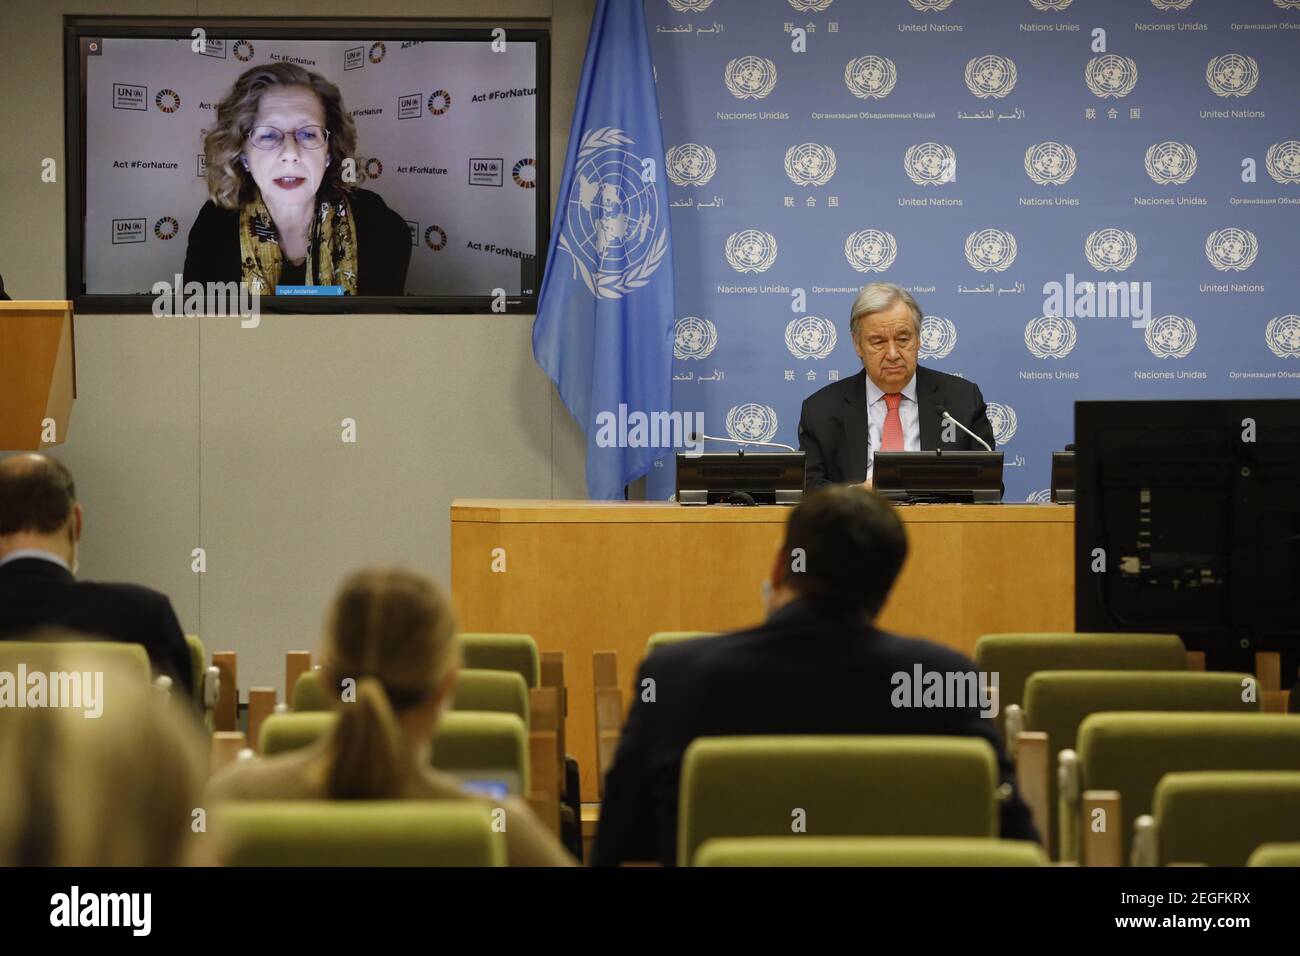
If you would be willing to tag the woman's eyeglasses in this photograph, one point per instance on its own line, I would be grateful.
(270, 137)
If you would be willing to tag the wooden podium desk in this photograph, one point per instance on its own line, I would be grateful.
(584, 576)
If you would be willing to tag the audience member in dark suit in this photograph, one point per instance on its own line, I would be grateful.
(892, 404)
(817, 665)
(40, 526)
(4, 296)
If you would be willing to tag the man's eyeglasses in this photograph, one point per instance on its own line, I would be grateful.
(270, 137)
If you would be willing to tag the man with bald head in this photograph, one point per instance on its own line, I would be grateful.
(892, 404)
(40, 526)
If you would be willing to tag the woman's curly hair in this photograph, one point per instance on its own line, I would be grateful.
(229, 184)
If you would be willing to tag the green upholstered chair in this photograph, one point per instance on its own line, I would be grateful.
(480, 745)
(838, 786)
(1218, 818)
(1276, 854)
(494, 691)
(869, 851)
(1056, 702)
(116, 661)
(309, 693)
(1013, 657)
(502, 652)
(664, 638)
(293, 731)
(359, 833)
(1129, 752)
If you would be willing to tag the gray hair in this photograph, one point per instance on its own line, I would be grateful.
(877, 297)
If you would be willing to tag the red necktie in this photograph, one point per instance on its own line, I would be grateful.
(891, 438)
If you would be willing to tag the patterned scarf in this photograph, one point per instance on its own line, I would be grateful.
(331, 247)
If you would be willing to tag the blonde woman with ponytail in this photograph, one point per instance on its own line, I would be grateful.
(393, 632)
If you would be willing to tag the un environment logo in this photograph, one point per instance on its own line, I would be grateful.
(810, 164)
(871, 250)
(1232, 74)
(1044, 495)
(1283, 159)
(1171, 336)
(694, 338)
(930, 6)
(1232, 249)
(810, 6)
(1171, 163)
(810, 337)
(612, 217)
(991, 76)
(1110, 250)
(991, 250)
(690, 6)
(938, 337)
(691, 164)
(1003, 420)
(750, 77)
(1050, 163)
(930, 164)
(751, 422)
(1283, 336)
(1050, 337)
(1111, 75)
(870, 77)
(751, 250)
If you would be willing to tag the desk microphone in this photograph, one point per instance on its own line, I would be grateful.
(944, 416)
(697, 436)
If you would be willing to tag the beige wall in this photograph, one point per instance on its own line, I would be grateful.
(196, 433)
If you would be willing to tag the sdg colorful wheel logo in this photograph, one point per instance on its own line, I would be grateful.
(243, 50)
(439, 102)
(168, 101)
(166, 228)
(525, 174)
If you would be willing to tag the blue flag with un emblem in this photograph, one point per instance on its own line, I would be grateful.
(604, 328)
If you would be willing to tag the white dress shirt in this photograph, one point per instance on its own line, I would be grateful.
(908, 412)
(35, 553)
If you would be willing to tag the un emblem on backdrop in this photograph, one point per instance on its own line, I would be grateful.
(1171, 336)
(691, 164)
(1231, 249)
(930, 6)
(1110, 250)
(991, 76)
(1049, 5)
(1041, 497)
(810, 337)
(1287, 4)
(1050, 337)
(810, 6)
(1283, 336)
(1232, 74)
(870, 77)
(1171, 163)
(1002, 418)
(750, 77)
(1050, 163)
(690, 6)
(871, 250)
(938, 337)
(930, 164)
(1111, 75)
(991, 250)
(1283, 160)
(751, 422)
(751, 250)
(1171, 4)
(810, 164)
(611, 225)
(694, 338)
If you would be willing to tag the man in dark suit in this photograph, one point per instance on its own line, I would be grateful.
(40, 525)
(892, 404)
(4, 296)
(817, 665)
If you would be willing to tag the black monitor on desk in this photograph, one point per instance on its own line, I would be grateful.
(750, 478)
(939, 476)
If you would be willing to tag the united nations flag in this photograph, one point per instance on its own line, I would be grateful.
(991, 250)
(1110, 250)
(938, 337)
(1050, 163)
(751, 422)
(694, 338)
(1283, 160)
(810, 337)
(1171, 336)
(1050, 337)
(751, 250)
(871, 250)
(1283, 336)
(750, 77)
(991, 76)
(1171, 163)
(930, 164)
(870, 77)
(810, 164)
(1003, 420)
(1232, 74)
(1110, 75)
(691, 164)
(1232, 249)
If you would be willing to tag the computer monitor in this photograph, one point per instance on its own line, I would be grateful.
(1187, 521)
(939, 476)
(1063, 477)
(750, 478)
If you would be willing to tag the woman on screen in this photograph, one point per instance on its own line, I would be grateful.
(281, 211)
